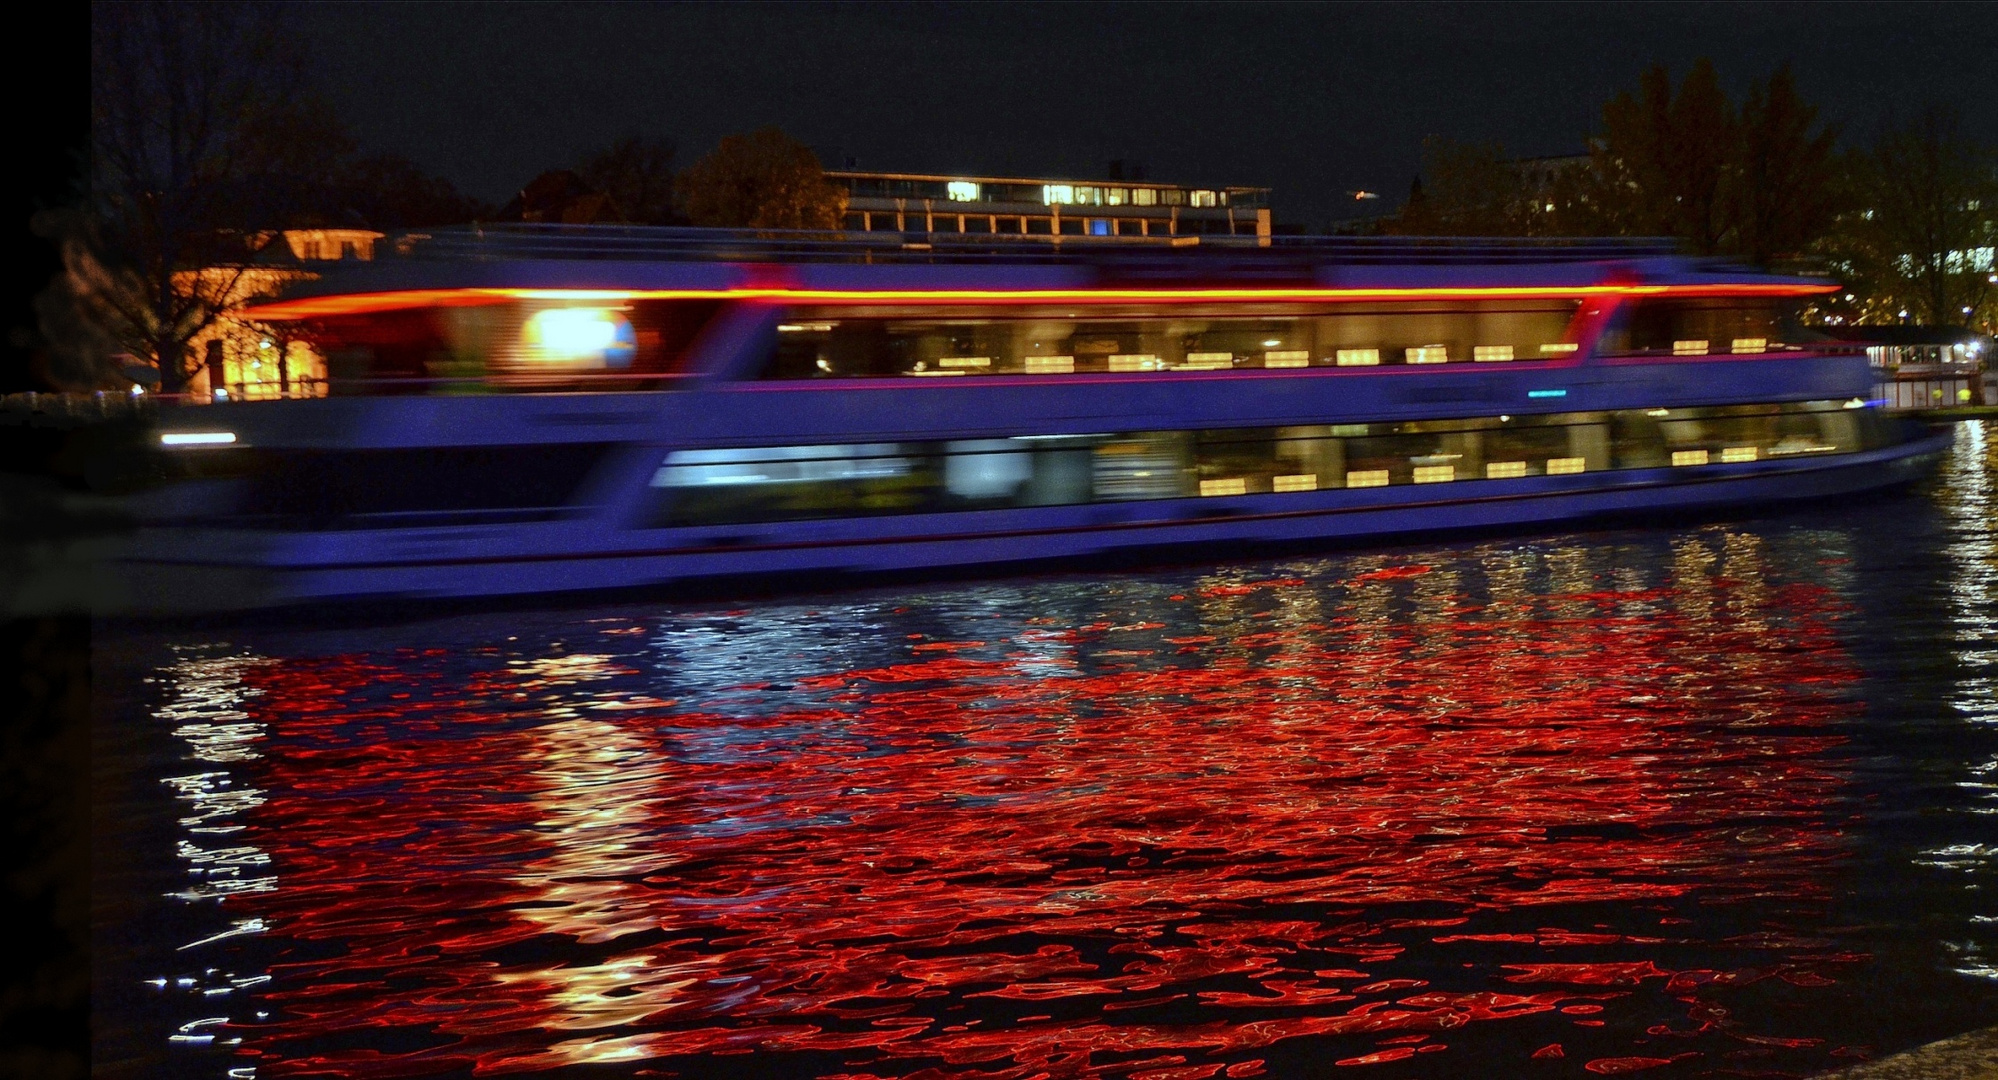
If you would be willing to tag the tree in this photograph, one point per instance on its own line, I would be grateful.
(637, 174)
(201, 145)
(1920, 233)
(762, 180)
(1784, 196)
(1473, 189)
(1661, 165)
(390, 192)
(185, 114)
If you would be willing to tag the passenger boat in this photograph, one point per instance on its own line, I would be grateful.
(548, 409)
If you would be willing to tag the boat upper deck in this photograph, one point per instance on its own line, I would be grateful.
(499, 264)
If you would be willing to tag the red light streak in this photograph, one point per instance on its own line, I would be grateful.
(320, 307)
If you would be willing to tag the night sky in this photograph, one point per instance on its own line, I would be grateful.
(1311, 100)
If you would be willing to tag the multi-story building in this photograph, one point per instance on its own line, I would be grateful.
(921, 203)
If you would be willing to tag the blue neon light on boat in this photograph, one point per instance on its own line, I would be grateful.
(1546, 393)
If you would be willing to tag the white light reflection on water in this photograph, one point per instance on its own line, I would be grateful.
(1972, 512)
(205, 704)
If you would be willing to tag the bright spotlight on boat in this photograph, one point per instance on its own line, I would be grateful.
(593, 336)
(197, 438)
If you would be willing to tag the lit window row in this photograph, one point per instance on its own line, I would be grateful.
(1094, 195)
(835, 343)
(715, 486)
(1741, 346)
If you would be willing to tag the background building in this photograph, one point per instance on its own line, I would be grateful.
(243, 360)
(1023, 206)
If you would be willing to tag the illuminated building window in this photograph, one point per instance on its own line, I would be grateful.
(1201, 198)
(1233, 485)
(1504, 470)
(1741, 453)
(1365, 478)
(1116, 196)
(1050, 365)
(1052, 194)
(1089, 196)
(1144, 196)
(1566, 466)
(1559, 348)
(1358, 357)
(1751, 345)
(1426, 354)
(1689, 347)
(965, 362)
(1491, 352)
(1172, 196)
(1134, 362)
(1435, 474)
(1208, 361)
(962, 191)
(1295, 482)
(1282, 358)
(1689, 457)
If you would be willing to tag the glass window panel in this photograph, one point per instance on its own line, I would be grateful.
(729, 485)
(835, 342)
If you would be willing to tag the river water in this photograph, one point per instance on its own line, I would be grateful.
(1710, 799)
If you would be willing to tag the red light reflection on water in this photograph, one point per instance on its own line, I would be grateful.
(1150, 849)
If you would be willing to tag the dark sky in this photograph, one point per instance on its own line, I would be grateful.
(1312, 100)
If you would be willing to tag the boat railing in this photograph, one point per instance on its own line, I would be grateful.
(637, 242)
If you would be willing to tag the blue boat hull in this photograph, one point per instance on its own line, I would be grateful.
(294, 570)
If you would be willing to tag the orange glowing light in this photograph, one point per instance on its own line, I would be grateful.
(319, 307)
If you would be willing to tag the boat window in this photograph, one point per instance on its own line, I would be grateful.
(1677, 326)
(727, 486)
(528, 346)
(836, 342)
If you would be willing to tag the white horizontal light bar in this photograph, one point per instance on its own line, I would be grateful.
(197, 438)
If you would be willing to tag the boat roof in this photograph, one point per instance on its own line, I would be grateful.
(492, 264)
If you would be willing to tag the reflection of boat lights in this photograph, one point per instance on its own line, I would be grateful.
(832, 818)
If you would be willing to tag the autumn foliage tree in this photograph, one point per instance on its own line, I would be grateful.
(762, 180)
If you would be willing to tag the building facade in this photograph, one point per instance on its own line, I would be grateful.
(922, 203)
(242, 361)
